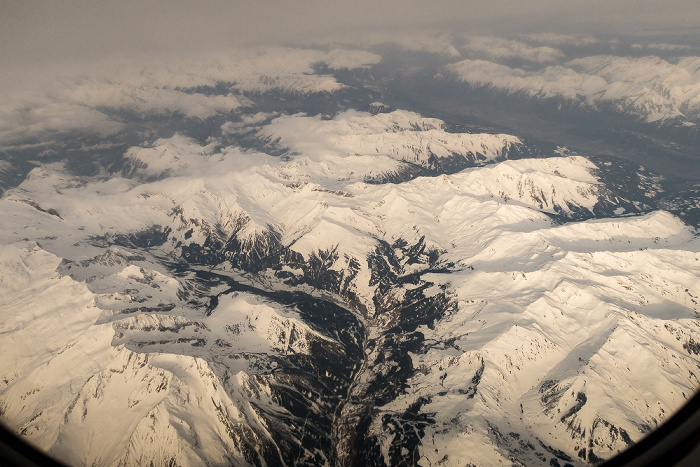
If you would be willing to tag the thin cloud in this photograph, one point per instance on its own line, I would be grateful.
(555, 39)
(649, 87)
(43, 118)
(670, 47)
(499, 48)
(56, 32)
(76, 102)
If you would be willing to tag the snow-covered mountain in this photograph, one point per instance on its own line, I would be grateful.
(387, 290)
(424, 251)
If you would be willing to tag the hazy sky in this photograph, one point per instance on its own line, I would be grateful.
(55, 31)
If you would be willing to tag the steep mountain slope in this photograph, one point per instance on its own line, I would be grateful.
(165, 402)
(237, 308)
(564, 339)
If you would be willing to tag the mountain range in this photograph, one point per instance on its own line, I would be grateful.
(286, 270)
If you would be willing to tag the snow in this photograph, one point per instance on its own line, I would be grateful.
(64, 374)
(544, 314)
(172, 155)
(558, 338)
(585, 324)
(48, 341)
(399, 135)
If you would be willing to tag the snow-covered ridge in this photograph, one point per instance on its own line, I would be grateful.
(604, 317)
(211, 193)
(166, 403)
(240, 307)
(399, 135)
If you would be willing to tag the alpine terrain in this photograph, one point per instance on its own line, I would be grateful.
(354, 256)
